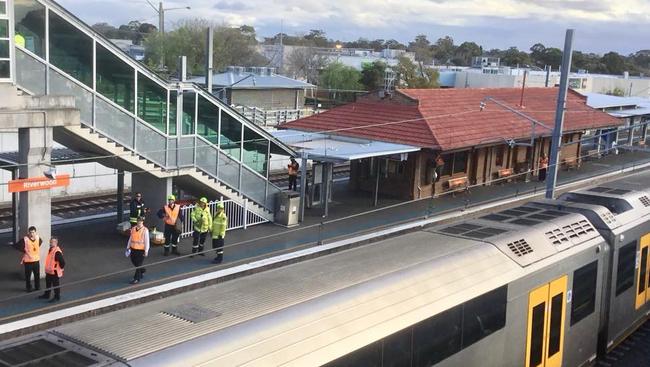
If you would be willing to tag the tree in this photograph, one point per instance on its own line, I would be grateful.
(422, 49)
(341, 80)
(464, 53)
(444, 49)
(372, 75)
(411, 75)
(614, 63)
(232, 46)
(317, 38)
(394, 45)
(306, 63)
(514, 57)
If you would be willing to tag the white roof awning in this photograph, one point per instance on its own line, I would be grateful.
(336, 148)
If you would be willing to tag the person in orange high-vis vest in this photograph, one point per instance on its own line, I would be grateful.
(292, 169)
(138, 248)
(170, 214)
(54, 264)
(30, 245)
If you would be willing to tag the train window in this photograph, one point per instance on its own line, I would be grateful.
(369, 355)
(642, 276)
(625, 268)
(537, 335)
(556, 324)
(616, 206)
(584, 292)
(436, 338)
(484, 315)
(397, 349)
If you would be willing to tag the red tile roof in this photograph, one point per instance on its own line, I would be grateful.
(450, 119)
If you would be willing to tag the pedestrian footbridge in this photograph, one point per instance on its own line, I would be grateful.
(136, 120)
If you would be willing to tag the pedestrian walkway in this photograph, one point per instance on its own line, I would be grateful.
(95, 252)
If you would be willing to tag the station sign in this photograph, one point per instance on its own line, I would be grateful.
(38, 183)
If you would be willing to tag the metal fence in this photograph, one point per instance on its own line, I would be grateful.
(238, 216)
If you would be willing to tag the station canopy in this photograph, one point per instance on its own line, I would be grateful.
(336, 148)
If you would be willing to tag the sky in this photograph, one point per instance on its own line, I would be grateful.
(601, 26)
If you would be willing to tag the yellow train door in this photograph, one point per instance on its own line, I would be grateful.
(643, 272)
(545, 336)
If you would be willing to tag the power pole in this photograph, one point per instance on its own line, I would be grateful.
(208, 59)
(559, 115)
(161, 30)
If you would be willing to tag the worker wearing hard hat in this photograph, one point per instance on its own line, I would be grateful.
(173, 217)
(202, 220)
(219, 226)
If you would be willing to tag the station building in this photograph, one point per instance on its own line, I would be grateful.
(482, 135)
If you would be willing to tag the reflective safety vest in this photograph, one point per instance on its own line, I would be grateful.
(219, 225)
(32, 250)
(293, 169)
(171, 214)
(137, 238)
(52, 266)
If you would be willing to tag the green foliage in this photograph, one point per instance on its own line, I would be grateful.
(338, 76)
(444, 49)
(465, 52)
(134, 31)
(411, 75)
(514, 57)
(616, 92)
(372, 75)
(232, 46)
(422, 49)
(614, 63)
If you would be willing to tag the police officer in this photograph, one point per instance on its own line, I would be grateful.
(171, 213)
(202, 220)
(219, 226)
(54, 264)
(137, 248)
(30, 245)
(137, 209)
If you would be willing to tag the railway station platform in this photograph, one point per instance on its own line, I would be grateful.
(96, 266)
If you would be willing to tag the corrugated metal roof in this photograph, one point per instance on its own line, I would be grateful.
(325, 147)
(248, 80)
(599, 100)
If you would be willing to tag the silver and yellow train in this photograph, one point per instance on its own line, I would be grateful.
(549, 283)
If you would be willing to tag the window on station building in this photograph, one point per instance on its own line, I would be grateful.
(255, 154)
(498, 159)
(454, 163)
(3, 7)
(115, 78)
(230, 141)
(460, 162)
(152, 103)
(207, 123)
(584, 292)
(625, 268)
(71, 50)
(189, 109)
(172, 112)
(29, 26)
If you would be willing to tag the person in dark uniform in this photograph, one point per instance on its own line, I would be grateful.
(30, 246)
(137, 209)
(54, 264)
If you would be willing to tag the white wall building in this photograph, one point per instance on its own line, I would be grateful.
(88, 179)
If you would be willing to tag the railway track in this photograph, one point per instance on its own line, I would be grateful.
(107, 202)
(634, 351)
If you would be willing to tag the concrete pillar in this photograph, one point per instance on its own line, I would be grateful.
(154, 193)
(644, 131)
(120, 196)
(630, 132)
(35, 207)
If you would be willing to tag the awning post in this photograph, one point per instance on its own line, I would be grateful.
(376, 184)
(303, 185)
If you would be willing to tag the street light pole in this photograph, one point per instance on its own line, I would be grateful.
(161, 29)
(559, 115)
